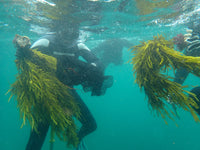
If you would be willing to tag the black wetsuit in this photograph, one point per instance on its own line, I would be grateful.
(71, 70)
(193, 49)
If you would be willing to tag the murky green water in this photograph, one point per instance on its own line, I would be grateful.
(123, 118)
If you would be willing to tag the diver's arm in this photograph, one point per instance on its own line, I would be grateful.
(40, 43)
(94, 73)
(43, 44)
(89, 57)
(180, 75)
(192, 49)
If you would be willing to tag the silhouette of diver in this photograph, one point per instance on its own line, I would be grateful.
(110, 51)
(71, 70)
(192, 48)
(192, 40)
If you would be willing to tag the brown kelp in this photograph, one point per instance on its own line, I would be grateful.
(153, 58)
(56, 10)
(147, 7)
(41, 97)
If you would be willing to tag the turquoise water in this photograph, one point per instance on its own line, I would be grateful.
(123, 118)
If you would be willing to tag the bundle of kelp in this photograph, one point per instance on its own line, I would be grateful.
(150, 60)
(41, 97)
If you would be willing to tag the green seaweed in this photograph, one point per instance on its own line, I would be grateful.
(153, 58)
(41, 97)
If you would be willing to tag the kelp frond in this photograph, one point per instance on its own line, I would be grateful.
(41, 97)
(153, 57)
(147, 7)
(55, 12)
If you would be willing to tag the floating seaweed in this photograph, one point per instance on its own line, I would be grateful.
(41, 97)
(153, 58)
(147, 7)
(56, 11)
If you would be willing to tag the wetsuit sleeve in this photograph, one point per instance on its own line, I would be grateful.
(193, 49)
(89, 57)
(180, 75)
(44, 43)
(94, 71)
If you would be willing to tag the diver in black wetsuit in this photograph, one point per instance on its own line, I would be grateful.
(192, 49)
(72, 70)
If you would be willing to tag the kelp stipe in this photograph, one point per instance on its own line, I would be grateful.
(41, 97)
(150, 60)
